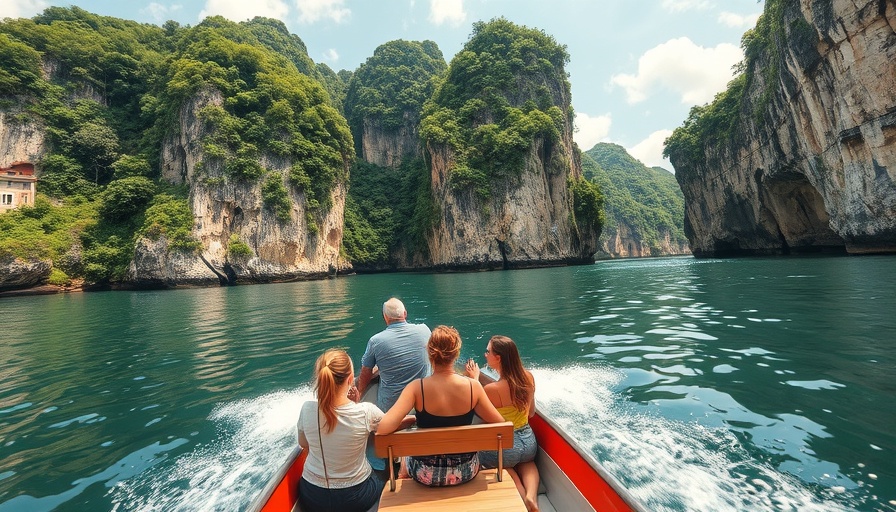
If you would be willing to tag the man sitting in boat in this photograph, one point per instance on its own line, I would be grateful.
(399, 352)
(514, 396)
(444, 399)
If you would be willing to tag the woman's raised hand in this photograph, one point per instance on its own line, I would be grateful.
(471, 369)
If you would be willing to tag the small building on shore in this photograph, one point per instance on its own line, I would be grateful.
(17, 186)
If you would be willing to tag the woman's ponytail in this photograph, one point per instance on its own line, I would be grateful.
(332, 369)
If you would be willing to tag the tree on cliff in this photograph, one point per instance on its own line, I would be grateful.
(500, 93)
(390, 88)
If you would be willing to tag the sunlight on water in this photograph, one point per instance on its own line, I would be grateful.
(255, 438)
(668, 465)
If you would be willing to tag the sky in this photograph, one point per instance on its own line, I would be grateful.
(636, 66)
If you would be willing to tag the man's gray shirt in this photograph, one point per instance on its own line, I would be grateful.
(400, 353)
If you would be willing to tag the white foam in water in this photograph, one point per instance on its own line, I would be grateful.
(229, 472)
(668, 465)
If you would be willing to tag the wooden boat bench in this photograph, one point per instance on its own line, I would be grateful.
(491, 490)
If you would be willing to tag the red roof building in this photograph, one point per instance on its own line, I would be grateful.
(17, 186)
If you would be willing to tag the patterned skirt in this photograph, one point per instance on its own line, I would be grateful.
(444, 470)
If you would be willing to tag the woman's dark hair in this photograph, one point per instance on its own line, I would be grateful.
(521, 384)
(332, 369)
(444, 345)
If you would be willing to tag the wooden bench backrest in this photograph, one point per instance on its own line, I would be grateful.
(435, 441)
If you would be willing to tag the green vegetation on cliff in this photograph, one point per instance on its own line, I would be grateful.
(392, 85)
(114, 88)
(500, 93)
(763, 45)
(648, 200)
(387, 210)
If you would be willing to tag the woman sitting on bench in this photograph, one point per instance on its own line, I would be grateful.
(444, 399)
(514, 396)
(334, 430)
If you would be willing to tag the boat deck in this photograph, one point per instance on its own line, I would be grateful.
(484, 493)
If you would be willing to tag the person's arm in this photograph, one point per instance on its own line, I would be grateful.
(484, 407)
(303, 441)
(363, 381)
(532, 396)
(394, 417)
(407, 422)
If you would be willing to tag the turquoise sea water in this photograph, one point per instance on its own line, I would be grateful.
(748, 384)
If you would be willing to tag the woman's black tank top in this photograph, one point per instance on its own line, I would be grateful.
(427, 420)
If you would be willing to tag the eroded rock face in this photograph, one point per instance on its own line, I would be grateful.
(281, 250)
(816, 169)
(388, 148)
(155, 266)
(622, 241)
(525, 224)
(20, 140)
(18, 273)
(224, 208)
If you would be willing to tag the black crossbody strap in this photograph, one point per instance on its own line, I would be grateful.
(320, 439)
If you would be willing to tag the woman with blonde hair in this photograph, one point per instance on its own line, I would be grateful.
(514, 396)
(334, 430)
(444, 399)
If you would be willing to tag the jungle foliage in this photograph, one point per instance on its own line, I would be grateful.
(387, 210)
(392, 85)
(115, 87)
(648, 200)
(499, 94)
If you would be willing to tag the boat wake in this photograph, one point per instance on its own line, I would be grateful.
(228, 473)
(669, 465)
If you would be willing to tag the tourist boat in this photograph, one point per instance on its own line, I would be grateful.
(571, 478)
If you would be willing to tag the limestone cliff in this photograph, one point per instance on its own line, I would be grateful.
(19, 273)
(384, 99)
(389, 147)
(505, 173)
(226, 210)
(21, 140)
(810, 163)
(644, 206)
(523, 224)
(623, 240)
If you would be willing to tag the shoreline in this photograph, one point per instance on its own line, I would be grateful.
(44, 289)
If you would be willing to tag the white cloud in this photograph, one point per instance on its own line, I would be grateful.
(159, 12)
(650, 150)
(331, 55)
(451, 11)
(311, 11)
(686, 5)
(733, 20)
(22, 8)
(241, 10)
(693, 72)
(591, 130)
